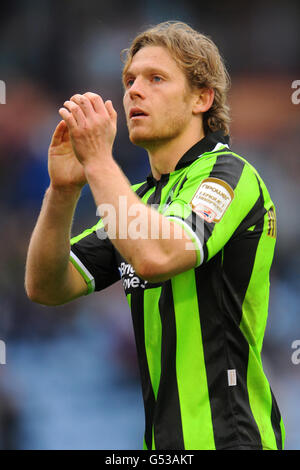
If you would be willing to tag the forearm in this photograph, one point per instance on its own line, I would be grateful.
(140, 231)
(47, 262)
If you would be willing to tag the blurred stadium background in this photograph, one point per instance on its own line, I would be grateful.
(70, 380)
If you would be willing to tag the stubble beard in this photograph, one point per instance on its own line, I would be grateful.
(155, 138)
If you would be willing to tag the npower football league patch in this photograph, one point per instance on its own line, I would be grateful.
(212, 199)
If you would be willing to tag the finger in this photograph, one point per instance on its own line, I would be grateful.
(58, 133)
(77, 112)
(85, 105)
(96, 101)
(111, 110)
(68, 118)
(66, 135)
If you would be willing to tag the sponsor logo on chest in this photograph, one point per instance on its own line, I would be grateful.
(130, 279)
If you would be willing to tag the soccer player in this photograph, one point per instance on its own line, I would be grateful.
(193, 243)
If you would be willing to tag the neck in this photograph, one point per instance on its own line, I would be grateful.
(164, 156)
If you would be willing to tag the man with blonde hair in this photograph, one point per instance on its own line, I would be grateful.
(193, 243)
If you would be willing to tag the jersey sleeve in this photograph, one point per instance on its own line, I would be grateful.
(213, 199)
(93, 255)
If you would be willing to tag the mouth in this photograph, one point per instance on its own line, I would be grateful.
(137, 113)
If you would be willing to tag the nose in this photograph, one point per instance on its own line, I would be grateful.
(137, 89)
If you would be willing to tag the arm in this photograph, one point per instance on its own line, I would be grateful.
(154, 259)
(92, 126)
(50, 278)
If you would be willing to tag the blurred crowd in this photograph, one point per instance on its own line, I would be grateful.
(70, 378)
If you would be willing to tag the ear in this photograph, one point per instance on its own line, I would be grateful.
(204, 98)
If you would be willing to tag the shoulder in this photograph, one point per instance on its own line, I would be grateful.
(223, 175)
(225, 165)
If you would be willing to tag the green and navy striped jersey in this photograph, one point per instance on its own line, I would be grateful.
(199, 335)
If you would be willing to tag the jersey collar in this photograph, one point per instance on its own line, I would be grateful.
(210, 143)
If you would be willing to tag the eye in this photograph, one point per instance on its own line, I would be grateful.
(156, 79)
(129, 82)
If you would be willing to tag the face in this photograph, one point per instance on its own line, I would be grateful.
(157, 100)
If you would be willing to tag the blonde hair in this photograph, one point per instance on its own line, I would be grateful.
(200, 60)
